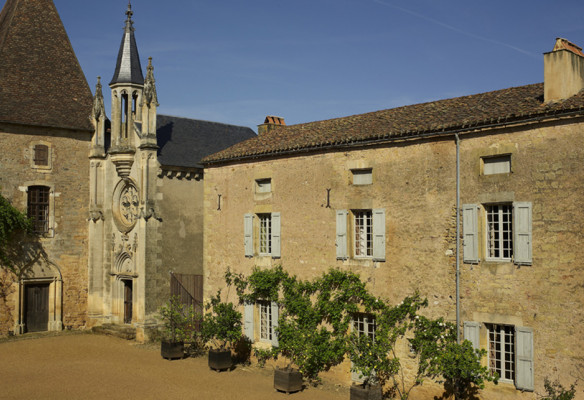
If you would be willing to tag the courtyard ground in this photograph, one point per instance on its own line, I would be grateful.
(88, 366)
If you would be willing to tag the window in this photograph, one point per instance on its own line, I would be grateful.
(499, 232)
(38, 208)
(502, 351)
(363, 233)
(497, 165)
(267, 316)
(266, 322)
(509, 350)
(263, 185)
(41, 155)
(265, 234)
(362, 176)
(367, 234)
(507, 233)
(265, 228)
(363, 324)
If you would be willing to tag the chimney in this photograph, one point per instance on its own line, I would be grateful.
(270, 123)
(563, 70)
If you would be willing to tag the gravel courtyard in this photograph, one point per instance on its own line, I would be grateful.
(88, 366)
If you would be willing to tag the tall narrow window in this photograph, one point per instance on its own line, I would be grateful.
(499, 231)
(502, 351)
(41, 155)
(266, 330)
(363, 233)
(38, 208)
(265, 234)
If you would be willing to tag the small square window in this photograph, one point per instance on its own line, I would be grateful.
(263, 185)
(362, 176)
(497, 165)
(41, 155)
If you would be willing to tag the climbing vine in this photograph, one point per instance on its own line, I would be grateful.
(12, 223)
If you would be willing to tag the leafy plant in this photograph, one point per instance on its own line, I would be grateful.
(179, 321)
(556, 391)
(221, 325)
(12, 223)
(263, 355)
(461, 370)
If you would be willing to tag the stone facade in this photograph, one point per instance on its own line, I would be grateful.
(65, 243)
(522, 279)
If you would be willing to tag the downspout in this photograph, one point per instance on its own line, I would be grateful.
(457, 237)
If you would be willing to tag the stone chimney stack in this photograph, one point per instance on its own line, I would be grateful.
(563, 71)
(270, 123)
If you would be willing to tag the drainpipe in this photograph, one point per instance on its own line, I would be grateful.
(457, 237)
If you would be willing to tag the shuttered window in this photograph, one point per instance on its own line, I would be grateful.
(362, 176)
(470, 233)
(268, 235)
(497, 165)
(248, 321)
(41, 155)
(248, 234)
(341, 242)
(363, 233)
(368, 234)
(502, 351)
(472, 333)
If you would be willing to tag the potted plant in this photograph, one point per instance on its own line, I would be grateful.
(178, 327)
(221, 329)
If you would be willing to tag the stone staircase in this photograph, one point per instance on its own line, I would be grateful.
(122, 331)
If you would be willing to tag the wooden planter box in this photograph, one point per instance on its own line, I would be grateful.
(172, 350)
(220, 360)
(360, 392)
(287, 380)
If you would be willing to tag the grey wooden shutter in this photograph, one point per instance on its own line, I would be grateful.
(248, 321)
(524, 358)
(470, 233)
(248, 234)
(522, 233)
(379, 234)
(341, 234)
(471, 333)
(276, 235)
(275, 316)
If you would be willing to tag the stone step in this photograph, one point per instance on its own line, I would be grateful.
(121, 331)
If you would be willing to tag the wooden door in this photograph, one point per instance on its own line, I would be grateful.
(36, 307)
(128, 302)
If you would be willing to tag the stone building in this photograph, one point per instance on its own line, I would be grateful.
(377, 194)
(146, 196)
(45, 136)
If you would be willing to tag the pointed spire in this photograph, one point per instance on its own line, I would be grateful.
(98, 105)
(149, 86)
(128, 68)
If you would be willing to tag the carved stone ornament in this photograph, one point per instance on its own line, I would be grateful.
(126, 202)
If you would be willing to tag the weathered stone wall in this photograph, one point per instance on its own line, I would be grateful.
(415, 182)
(68, 177)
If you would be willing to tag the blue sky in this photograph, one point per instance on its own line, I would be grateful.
(237, 61)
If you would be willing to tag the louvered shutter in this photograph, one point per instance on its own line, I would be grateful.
(276, 235)
(471, 333)
(248, 234)
(379, 235)
(522, 233)
(248, 321)
(524, 358)
(275, 316)
(470, 233)
(341, 234)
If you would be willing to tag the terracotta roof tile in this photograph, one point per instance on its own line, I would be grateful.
(507, 105)
(41, 82)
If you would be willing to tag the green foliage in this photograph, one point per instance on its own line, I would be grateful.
(263, 355)
(221, 325)
(556, 391)
(461, 369)
(12, 223)
(179, 321)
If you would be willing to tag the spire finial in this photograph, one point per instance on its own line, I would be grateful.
(129, 14)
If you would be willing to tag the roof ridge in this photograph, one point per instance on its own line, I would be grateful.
(203, 120)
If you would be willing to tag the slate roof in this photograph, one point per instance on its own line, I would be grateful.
(184, 142)
(480, 110)
(128, 67)
(41, 81)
